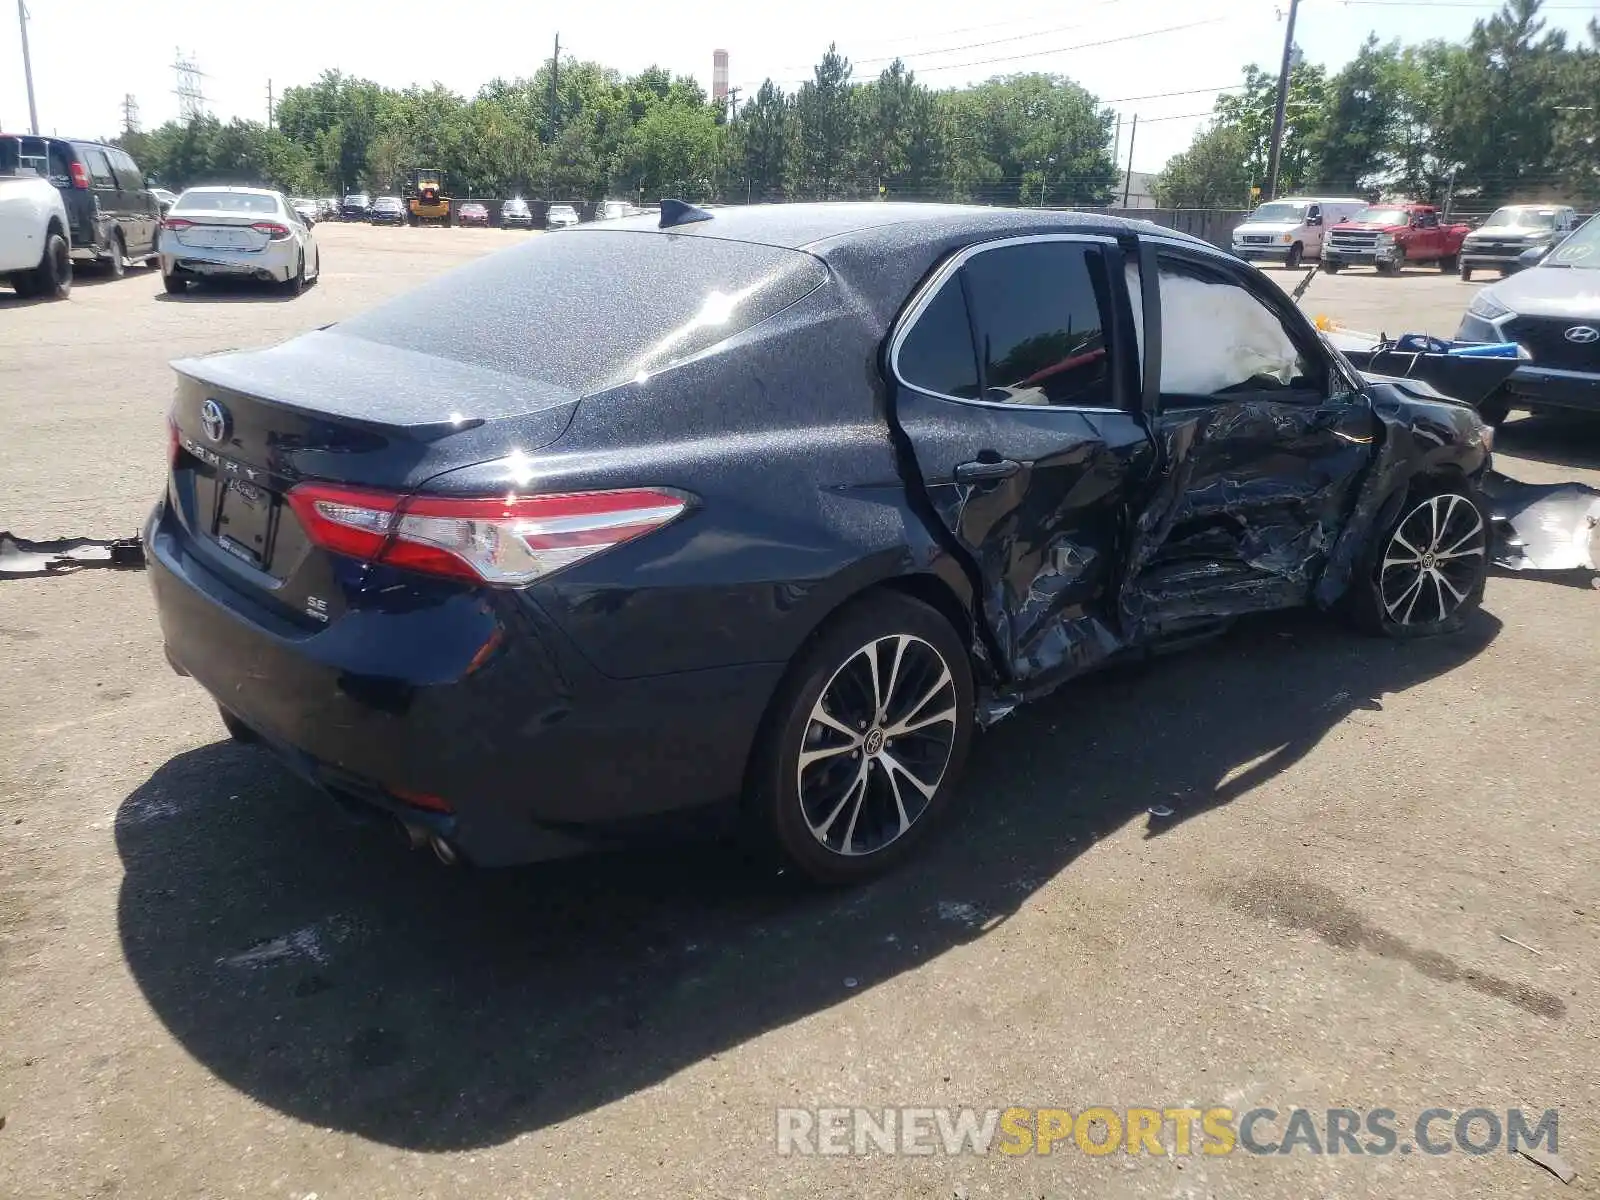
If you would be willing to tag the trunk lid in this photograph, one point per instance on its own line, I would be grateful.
(249, 426)
(221, 231)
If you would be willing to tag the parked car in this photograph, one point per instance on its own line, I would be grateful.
(1502, 240)
(515, 214)
(387, 210)
(327, 208)
(113, 214)
(610, 210)
(561, 216)
(472, 213)
(1389, 237)
(237, 233)
(305, 209)
(778, 507)
(35, 254)
(164, 199)
(1551, 310)
(355, 207)
(1289, 231)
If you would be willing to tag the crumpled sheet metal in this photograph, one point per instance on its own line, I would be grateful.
(21, 558)
(1544, 526)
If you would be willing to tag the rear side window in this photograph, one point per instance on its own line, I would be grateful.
(936, 355)
(94, 161)
(594, 307)
(128, 177)
(1039, 310)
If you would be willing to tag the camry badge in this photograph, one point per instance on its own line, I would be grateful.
(214, 420)
(1583, 334)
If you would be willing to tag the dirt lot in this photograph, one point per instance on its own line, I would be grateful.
(1381, 889)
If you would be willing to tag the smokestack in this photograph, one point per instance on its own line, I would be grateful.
(719, 76)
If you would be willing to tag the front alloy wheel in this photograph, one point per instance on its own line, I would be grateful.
(863, 742)
(1433, 566)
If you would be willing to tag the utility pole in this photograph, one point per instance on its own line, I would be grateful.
(269, 104)
(1276, 153)
(27, 68)
(733, 103)
(550, 169)
(1127, 180)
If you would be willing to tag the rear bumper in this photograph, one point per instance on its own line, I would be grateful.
(275, 262)
(471, 696)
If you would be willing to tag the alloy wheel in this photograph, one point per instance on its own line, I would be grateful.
(877, 745)
(1434, 560)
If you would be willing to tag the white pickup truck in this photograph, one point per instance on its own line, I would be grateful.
(35, 251)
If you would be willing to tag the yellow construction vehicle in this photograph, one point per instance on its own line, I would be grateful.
(426, 203)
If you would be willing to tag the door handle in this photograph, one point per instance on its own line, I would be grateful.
(980, 471)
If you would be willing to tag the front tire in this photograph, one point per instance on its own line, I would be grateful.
(1297, 253)
(1425, 574)
(861, 748)
(1449, 263)
(1466, 273)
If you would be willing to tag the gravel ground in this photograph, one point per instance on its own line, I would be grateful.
(1379, 889)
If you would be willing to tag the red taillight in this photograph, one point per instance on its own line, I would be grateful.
(506, 539)
(272, 229)
(80, 176)
(176, 223)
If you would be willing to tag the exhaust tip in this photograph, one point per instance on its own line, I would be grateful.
(416, 837)
(444, 851)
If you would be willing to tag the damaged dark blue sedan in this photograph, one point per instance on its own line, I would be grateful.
(765, 511)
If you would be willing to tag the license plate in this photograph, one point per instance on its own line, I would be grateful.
(1257, 241)
(245, 519)
(217, 239)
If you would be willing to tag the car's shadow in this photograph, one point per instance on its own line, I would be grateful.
(325, 972)
(1562, 439)
(229, 291)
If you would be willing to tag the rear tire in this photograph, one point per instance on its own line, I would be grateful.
(1424, 574)
(52, 278)
(175, 284)
(880, 703)
(1449, 263)
(1331, 266)
(296, 283)
(117, 264)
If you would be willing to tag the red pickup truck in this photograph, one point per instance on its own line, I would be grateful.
(1390, 236)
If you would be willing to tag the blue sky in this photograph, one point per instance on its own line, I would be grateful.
(89, 54)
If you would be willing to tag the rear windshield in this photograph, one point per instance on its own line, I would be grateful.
(593, 308)
(241, 202)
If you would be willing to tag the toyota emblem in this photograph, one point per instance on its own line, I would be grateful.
(1583, 334)
(214, 420)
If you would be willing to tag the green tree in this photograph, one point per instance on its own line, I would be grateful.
(1347, 151)
(763, 129)
(1211, 173)
(824, 116)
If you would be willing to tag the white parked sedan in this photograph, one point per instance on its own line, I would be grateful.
(238, 233)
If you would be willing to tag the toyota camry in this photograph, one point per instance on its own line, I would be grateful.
(765, 511)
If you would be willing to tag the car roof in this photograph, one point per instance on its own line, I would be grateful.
(228, 187)
(820, 228)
